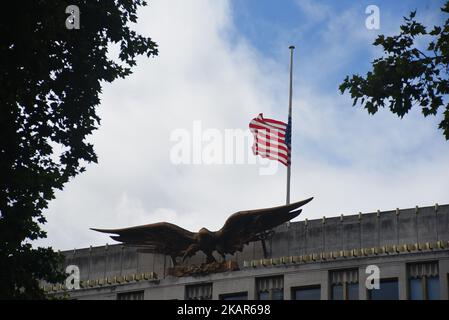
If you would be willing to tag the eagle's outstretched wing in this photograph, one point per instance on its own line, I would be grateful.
(162, 237)
(245, 226)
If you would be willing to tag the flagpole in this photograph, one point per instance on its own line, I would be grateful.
(290, 122)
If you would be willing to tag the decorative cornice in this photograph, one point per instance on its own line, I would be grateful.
(104, 282)
(347, 254)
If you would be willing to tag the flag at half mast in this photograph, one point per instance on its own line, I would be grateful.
(272, 139)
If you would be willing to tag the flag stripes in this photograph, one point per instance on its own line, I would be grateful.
(270, 139)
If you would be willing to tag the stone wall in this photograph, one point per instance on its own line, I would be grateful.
(396, 227)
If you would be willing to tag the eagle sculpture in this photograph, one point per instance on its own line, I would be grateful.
(239, 229)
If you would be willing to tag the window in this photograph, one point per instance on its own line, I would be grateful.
(132, 295)
(388, 290)
(416, 292)
(423, 281)
(234, 296)
(344, 284)
(352, 291)
(270, 288)
(433, 288)
(199, 292)
(337, 292)
(306, 293)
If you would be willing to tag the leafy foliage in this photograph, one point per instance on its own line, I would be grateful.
(51, 78)
(407, 76)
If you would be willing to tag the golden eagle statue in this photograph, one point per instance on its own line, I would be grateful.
(239, 229)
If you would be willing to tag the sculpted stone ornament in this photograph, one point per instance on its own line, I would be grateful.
(203, 269)
(239, 229)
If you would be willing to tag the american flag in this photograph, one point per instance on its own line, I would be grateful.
(272, 139)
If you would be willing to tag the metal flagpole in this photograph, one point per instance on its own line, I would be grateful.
(290, 122)
(289, 143)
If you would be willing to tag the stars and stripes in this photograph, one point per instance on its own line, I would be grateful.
(272, 139)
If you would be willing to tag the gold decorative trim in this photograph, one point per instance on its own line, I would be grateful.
(108, 281)
(354, 253)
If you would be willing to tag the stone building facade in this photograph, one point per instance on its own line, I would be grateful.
(329, 258)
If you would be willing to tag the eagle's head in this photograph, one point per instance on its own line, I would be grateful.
(204, 232)
(205, 236)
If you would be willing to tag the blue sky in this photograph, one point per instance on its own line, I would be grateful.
(271, 26)
(222, 63)
(265, 22)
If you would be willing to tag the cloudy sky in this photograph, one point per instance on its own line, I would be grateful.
(220, 64)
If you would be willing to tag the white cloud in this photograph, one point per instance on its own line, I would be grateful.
(201, 74)
(316, 11)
